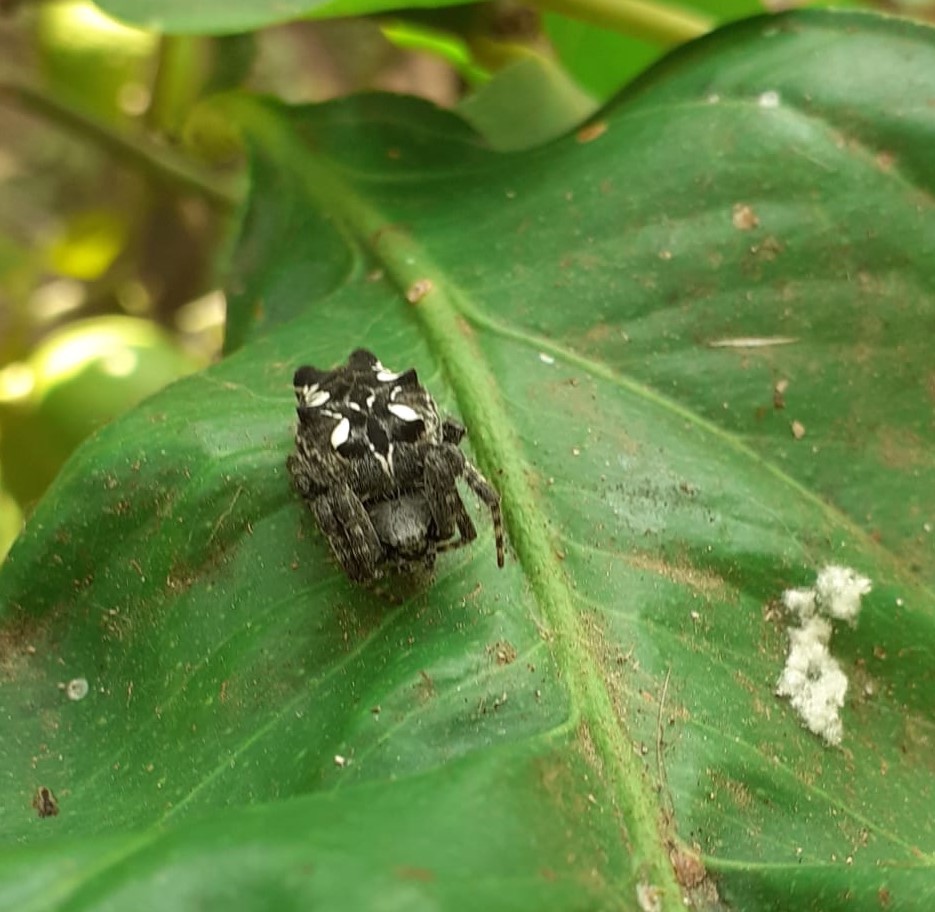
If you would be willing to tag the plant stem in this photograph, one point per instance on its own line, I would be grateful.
(179, 79)
(161, 164)
(665, 25)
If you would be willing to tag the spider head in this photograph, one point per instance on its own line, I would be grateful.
(306, 383)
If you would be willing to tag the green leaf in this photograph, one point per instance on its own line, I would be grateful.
(225, 17)
(601, 61)
(526, 104)
(603, 56)
(564, 733)
(11, 521)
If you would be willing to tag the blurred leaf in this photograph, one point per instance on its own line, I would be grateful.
(90, 243)
(628, 321)
(190, 67)
(11, 521)
(526, 104)
(80, 377)
(414, 36)
(601, 61)
(224, 17)
(92, 61)
(656, 21)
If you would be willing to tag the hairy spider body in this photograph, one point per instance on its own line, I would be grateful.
(379, 467)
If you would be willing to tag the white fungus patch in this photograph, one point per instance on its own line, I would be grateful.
(77, 689)
(838, 591)
(812, 679)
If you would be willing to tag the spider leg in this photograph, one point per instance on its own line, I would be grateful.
(347, 526)
(488, 494)
(452, 431)
(312, 474)
(338, 510)
(443, 464)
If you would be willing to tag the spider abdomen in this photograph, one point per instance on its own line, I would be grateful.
(404, 525)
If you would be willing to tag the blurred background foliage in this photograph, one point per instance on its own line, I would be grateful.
(116, 199)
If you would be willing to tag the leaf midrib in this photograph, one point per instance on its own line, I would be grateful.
(441, 316)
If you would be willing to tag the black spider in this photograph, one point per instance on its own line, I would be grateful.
(379, 467)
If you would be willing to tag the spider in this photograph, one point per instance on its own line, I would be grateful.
(378, 467)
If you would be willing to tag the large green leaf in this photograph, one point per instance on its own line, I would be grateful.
(603, 60)
(566, 732)
(224, 17)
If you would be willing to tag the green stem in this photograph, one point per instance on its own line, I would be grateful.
(177, 82)
(161, 164)
(665, 25)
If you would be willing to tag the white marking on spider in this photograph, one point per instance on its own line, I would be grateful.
(341, 433)
(403, 412)
(386, 462)
(316, 398)
(394, 392)
(385, 376)
(370, 400)
(354, 405)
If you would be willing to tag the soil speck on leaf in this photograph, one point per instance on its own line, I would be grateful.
(504, 652)
(744, 218)
(688, 867)
(418, 290)
(45, 802)
(648, 897)
(885, 160)
(407, 872)
(591, 131)
(18, 637)
(426, 686)
(768, 250)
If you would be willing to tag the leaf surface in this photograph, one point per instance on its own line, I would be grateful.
(570, 731)
(225, 17)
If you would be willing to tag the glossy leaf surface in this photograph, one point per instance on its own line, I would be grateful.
(612, 316)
